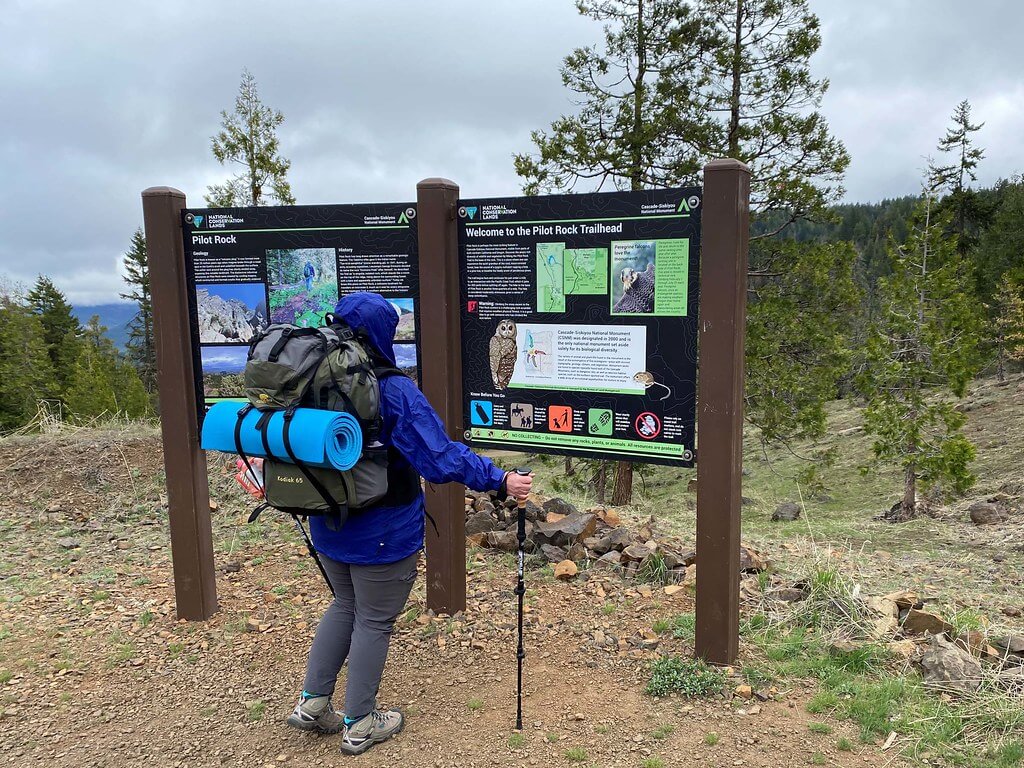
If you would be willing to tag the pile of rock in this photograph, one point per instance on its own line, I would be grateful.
(1007, 503)
(565, 536)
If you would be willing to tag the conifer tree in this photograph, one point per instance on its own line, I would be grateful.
(60, 330)
(104, 384)
(248, 138)
(955, 178)
(920, 355)
(26, 372)
(141, 347)
(1008, 325)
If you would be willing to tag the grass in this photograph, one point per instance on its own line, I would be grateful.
(663, 732)
(576, 755)
(687, 677)
(653, 762)
(516, 741)
(255, 710)
(5, 676)
(601, 729)
(475, 705)
(711, 738)
(817, 759)
(823, 728)
(608, 608)
(653, 570)
(146, 618)
(844, 744)
(551, 738)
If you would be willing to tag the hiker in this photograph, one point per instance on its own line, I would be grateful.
(308, 272)
(371, 561)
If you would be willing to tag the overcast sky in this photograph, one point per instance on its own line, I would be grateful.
(100, 100)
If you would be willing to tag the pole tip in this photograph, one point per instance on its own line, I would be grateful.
(161, 191)
(726, 164)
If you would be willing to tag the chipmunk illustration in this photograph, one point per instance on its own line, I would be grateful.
(647, 379)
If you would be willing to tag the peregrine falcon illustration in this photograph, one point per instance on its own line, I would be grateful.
(637, 291)
(504, 350)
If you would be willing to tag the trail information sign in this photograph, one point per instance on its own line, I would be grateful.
(579, 323)
(250, 267)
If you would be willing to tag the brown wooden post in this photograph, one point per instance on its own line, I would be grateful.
(441, 364)
(188, 493)
(725, 236)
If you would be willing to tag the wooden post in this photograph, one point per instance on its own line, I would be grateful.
(441, 365)
(725, 235)
(188, 493)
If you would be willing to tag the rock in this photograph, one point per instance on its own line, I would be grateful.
(68, 543)
(609, 559)
(484, 504)
(559, 506)
(591, 541)
(974, 642)
(946, 666)
(53, 508)
(223, 320)
(904, 649)
(691, 487)
(744, 691)
(1013, 488)
(1012, 677)
(609, 517)
(635, 552)
(673, 589)
(476, 540)
(565, 532)
(885, 623)
(576, 552)
(552, 553)
(504, 541)
(918, 622)
(617, 539)
(752, 561)
(746, 501)
(691, 574)
(904, 599)
(480, 522)
(232, 567)
(987, 513)
(533, 511)
(566, 570)
(786, 512)
(1009, 643)
(252, 625)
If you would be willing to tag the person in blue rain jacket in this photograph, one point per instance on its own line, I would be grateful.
(372, 560)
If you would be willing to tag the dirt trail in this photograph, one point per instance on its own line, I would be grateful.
(97, 671)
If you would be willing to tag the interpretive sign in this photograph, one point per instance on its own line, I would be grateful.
(579, 323)
(250, 267)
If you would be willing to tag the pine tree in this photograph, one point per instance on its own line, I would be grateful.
(919, 358)
(1001, 249)
(1008, 325)
(955, 178)
(60, 331)
(248, 137)
(680, 83)
(104, 384)
(26, 372)
(141, 346)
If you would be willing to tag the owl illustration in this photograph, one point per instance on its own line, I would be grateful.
(503, 353)
(637, 291)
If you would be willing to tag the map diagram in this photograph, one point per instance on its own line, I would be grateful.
(586, 271)
(551, 277)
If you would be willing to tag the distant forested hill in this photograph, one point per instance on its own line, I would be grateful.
(115, 316)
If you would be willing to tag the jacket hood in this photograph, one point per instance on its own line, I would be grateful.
(375, 315)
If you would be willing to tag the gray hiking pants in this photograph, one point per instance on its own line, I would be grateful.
(357, 625)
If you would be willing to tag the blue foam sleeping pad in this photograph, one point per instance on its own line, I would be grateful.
(318, 438)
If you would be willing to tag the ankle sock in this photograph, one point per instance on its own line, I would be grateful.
(351, 720)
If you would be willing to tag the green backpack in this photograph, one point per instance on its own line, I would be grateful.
(331, 368)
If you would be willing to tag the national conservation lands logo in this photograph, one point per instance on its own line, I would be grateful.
(468, 212)
(195, 219)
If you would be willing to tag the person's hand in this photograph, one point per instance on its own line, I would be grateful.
(518, 485)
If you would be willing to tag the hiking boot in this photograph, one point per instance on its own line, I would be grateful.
(373, 729)
(315, 713)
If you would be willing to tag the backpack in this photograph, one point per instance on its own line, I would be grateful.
(331, 368)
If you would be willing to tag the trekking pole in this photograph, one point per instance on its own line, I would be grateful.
(521, 590)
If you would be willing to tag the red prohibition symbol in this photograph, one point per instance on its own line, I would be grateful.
(647, 425)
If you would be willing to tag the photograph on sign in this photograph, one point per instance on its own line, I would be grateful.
(579, 323)
(248, 268)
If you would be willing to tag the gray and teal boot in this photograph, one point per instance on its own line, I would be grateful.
(315, 713)
(372, 729)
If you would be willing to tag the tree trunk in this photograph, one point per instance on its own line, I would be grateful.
(623, 492)
(734, 98)
(570, 470)
(600, 482)
(908, 507)
(637, 150)
(1000, 362)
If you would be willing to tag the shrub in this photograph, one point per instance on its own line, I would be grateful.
(689, 677)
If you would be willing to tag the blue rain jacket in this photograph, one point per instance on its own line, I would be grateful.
(380, 535)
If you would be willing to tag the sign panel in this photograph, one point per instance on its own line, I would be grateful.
(579, 323)
(250, 267)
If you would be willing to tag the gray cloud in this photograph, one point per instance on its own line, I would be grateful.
(98, 104)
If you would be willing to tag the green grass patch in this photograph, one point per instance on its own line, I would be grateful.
(255, 710)
(608, 608)
(653, 762)
(687, 677)
(663, 732)
(711, 738)
(576, 755)
(843, 744)
(823, 728)
(551, 738)
(475, 705)
(516, 741)
(5, 676)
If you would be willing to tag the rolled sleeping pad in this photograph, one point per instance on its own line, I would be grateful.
(329, 439)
